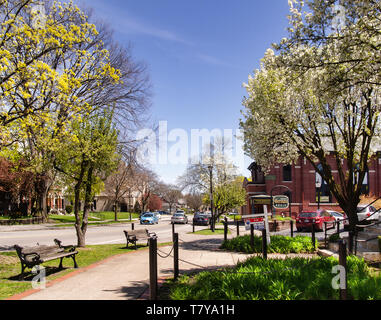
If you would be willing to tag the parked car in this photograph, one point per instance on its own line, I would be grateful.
(179, 217)
(339, 217)
(157, 213)
(306, 219)
(364, 212)
(149, 218)
(163, 212)
(201, 219)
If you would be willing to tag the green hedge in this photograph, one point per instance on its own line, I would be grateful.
(275, 279)
(278, 244)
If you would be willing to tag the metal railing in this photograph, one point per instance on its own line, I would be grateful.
(353, 235)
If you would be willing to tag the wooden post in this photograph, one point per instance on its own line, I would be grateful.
(343, 262)
(225, 229)
(350, 240)
(193, 227)
(153, 268)
(173, 232)
(237, 228)
(252, 236)
(132, 226)
(313, 236)
(176, 256)
(264, 244)
(292, 228)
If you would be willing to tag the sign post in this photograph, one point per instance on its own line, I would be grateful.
(258, 221)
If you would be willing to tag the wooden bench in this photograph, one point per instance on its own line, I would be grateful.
(32, 256)
(133, 236)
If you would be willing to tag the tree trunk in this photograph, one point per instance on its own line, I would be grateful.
(77, 194)
(88, 201)
(116, 210)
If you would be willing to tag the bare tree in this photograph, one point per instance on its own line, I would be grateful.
(119, 184)
(169, 193)
(194, 201)
(146, 183)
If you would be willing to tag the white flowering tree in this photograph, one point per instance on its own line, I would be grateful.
(312, 99)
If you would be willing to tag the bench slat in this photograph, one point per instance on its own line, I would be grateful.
(58, 256)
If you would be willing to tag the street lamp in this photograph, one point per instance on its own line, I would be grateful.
(211, 194)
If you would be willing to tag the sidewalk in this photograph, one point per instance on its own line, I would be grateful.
(126, 276)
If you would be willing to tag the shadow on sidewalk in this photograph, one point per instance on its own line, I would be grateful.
(134, 291)
(201, 244)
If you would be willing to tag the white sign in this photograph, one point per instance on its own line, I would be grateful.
(258, 223)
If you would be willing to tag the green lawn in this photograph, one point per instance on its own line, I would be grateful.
(94, 217)
(208, 232)
(10, 266)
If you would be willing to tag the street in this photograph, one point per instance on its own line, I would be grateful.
(30, 235)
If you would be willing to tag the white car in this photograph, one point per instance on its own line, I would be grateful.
(364, 212)
(338, 217)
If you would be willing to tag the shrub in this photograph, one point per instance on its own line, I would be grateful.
(69, 209)
(275, 279)
(278, 244)
(334, 237)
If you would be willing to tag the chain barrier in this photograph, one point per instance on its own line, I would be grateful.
(167, 255)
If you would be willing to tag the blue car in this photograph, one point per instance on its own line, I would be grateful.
(149, 218)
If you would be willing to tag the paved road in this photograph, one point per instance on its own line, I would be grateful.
(106, 234)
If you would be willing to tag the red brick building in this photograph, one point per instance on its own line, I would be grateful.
(299, 182)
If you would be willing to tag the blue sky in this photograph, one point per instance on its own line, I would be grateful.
(198, 54)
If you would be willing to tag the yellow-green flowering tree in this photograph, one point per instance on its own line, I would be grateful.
(86, 161)
(42, 94)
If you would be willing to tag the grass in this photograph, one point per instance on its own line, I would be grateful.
(275, 279)
(105, 217)
(208, 232)
(10, 266)
(278, 244)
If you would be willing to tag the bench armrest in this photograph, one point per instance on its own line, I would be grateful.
(35, 254)
(70, 246)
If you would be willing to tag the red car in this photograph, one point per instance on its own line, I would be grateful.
(306, 219)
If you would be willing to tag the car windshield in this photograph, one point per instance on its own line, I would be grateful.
(308, 214)
(148, 215)
(179, 215)
(336, 214)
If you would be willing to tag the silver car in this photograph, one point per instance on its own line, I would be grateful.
(179, 217)
(364, 212)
